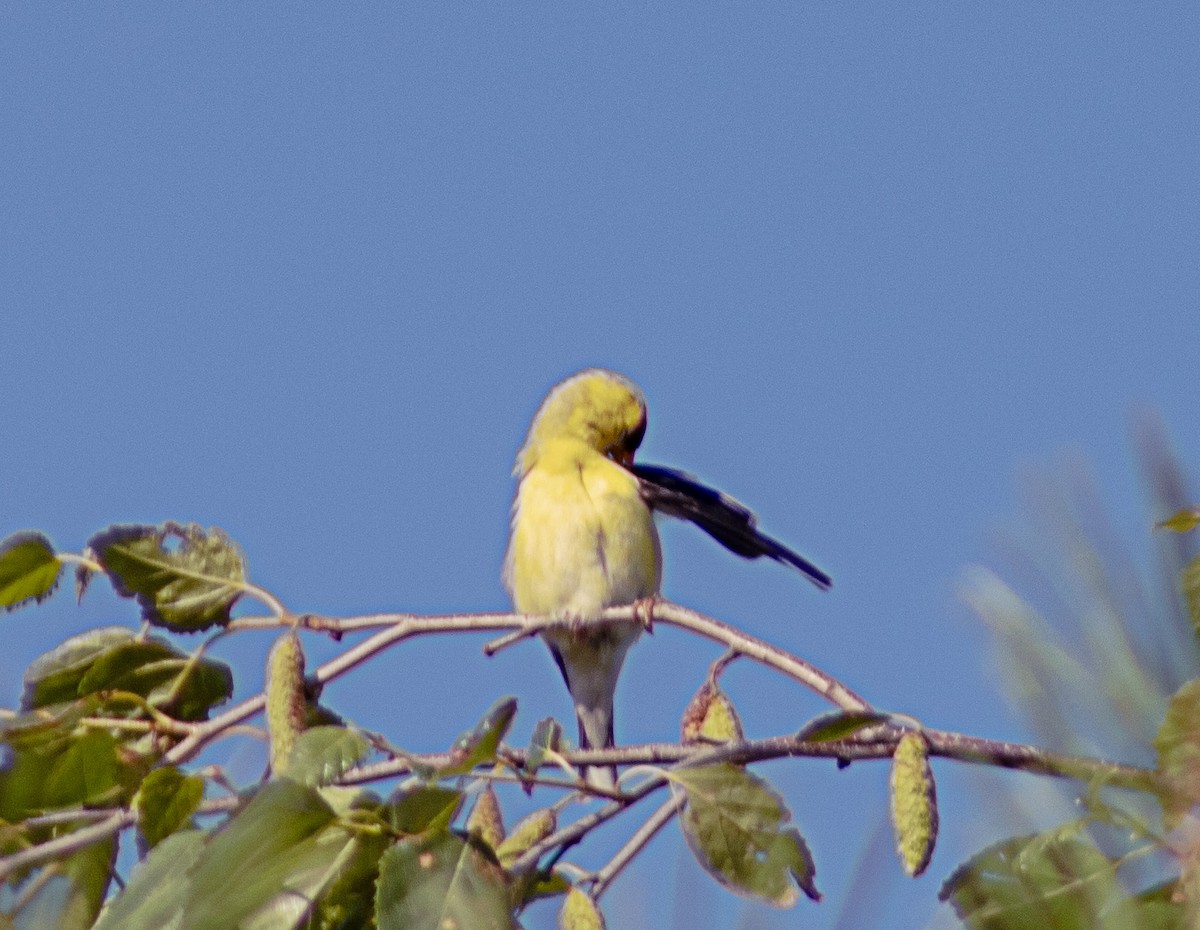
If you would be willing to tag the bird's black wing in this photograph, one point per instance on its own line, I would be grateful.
(726, 520)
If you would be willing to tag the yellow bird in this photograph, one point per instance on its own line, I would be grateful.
(583, 536)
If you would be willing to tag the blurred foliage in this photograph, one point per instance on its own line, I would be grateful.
(1096, 642)
(1096, 648)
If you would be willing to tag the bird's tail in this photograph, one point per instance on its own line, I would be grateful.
(596, 732)
(590, 663)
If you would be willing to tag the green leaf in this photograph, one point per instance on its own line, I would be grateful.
(349, 901)
(54, 677)
(324, 753)
(1178, 745)
(914, 803)
(270, 848)
(71, 899)
(47, 727)
(1163, 906)
(1054, 879)
(185, 689)
(52, 765)
(579, 912)
(23, 783)
(533, 886)
(330, 854)
(351, 802)
(828, 728)
(183, 577)
(29, 569)
(156, 893)
(112, 659)
(478, 745)
(711, 717)
(1181, 522)
(527, 832)
(437, 881)
(547, 737)
(167, 677)
(113, 668)
(165, 803)
(1189, 583)
(422, 809)
(721, 723)
(90, 871)
(737, 827)
(487, 820)
(88, 772)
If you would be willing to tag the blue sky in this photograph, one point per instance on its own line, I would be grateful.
(304, 272)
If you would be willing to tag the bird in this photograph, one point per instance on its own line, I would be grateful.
(583, 536)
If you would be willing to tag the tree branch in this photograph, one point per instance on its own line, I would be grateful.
(875, 742)
(395, 628)
(645, 833)
(576, 830)
(68, 843)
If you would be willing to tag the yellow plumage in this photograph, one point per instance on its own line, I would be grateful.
(582, 537)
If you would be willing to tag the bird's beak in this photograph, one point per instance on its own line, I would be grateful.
(622, 456)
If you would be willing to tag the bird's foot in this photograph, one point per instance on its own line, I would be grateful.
(643, 611)
(576, 623)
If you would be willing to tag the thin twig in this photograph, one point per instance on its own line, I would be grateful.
(319, 623)
(396, 627)
(54, 818)
(878, 744)
(76, 559)
(576, 830)
(761, 651)
(33, 888)
(403, 626)
(138, 726)
(722, 662)
(270, 600)
(508, 639)
(646, 832)
(66, 844)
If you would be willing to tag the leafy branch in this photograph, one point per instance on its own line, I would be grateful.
(109, 719)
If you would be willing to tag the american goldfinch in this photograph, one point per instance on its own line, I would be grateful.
(583, 536)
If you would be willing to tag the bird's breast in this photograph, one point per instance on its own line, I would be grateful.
(582, 540)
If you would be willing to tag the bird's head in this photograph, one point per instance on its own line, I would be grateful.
(599, 408)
